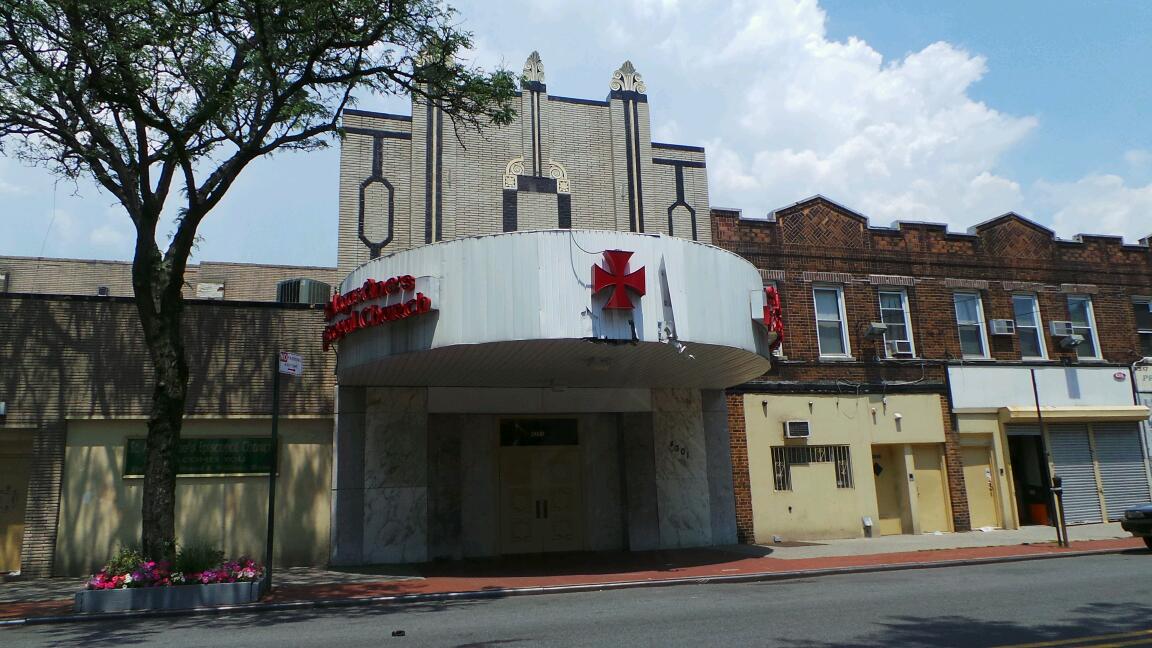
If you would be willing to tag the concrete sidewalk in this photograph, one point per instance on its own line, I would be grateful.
(51, 600)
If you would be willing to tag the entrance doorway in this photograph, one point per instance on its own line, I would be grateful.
(980, 486)
(888, 469)
(1029, 474)
(540, 486)
(15, 466)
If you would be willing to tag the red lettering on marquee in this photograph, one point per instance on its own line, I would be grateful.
(375, 314)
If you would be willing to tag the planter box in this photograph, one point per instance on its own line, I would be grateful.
(167, 598)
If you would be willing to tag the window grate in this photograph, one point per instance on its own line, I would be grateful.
(784, 457)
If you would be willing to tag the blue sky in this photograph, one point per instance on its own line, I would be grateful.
(952, 112)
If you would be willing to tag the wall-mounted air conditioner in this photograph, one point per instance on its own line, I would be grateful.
(1003, 327)
(797, 430)
(1061, 329)
(103, 291)
(899, 347)
(876, 330)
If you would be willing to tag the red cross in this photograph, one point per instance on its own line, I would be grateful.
(615, 277)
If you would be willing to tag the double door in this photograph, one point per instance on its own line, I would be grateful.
(541, 504)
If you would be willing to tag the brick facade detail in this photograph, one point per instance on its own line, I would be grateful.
(741, 481)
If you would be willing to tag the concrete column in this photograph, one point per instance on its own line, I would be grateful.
(396, 475)
(643, 525)
(722, 501)
(348, 478)
(681, 468)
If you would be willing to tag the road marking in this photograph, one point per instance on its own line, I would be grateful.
(1146, 635)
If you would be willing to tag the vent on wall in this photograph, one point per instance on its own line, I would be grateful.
(302, 291)
(797, 430)
(103, 291)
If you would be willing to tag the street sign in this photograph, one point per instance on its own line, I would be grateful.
(291, 364)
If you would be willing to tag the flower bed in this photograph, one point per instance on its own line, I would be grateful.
(129, 582)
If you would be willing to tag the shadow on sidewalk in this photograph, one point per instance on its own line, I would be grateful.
(590, 562)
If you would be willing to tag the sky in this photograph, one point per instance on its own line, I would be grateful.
(951, 112)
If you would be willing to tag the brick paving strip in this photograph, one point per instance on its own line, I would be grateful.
(483, 580)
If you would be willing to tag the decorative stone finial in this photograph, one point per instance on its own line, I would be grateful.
(627, 79)
(533, 69)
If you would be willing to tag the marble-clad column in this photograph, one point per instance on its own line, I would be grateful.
(643, 519)
(396, 475)
(347, 528)
(681, 468)
(721, 496)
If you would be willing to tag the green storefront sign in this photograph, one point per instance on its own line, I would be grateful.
(208, 456)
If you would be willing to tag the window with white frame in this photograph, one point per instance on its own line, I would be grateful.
(1084, 324)
(831, 333)
(894, 314)
(1143, 312)
(970, 324)
(1029, 327)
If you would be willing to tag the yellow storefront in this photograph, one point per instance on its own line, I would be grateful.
(846, 465)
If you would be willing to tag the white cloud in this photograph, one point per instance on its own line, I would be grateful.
(1097, 204)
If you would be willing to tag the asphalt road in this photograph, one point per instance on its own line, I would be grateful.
(1100, 601)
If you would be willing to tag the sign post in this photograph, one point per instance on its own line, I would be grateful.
(291, 364)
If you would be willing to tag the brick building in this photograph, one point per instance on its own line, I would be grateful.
(916, 347)
(75, 382)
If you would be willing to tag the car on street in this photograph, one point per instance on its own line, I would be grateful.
(1138, 522)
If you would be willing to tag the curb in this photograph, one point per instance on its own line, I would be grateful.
(408, 599)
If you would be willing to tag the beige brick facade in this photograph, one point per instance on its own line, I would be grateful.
(410, 180)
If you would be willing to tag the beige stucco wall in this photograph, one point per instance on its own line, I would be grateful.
(815, 508)
(100, 509)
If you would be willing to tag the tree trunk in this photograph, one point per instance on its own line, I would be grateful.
(160, 304)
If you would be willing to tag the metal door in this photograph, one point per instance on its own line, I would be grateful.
(980, 486)
(1122, 471)
(1072, 461)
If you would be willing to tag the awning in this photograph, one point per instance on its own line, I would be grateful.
(1068, 414)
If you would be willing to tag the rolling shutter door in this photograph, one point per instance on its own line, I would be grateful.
(1072, 459)
(1121, 459)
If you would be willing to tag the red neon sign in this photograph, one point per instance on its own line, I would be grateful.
(774, 315)
(376, 314)
(615, 277)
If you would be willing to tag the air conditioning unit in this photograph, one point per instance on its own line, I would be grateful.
(797, 430)
(302, 291)
(1071, 341)
(3, 282)
(876, 330)
(1061, 329)
(899, 347)
(103, 291)
(1003, 327)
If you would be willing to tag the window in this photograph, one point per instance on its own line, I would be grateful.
(1143, 310)
(1029, 328)
(970, 323)
(830, 330)
(894, 313)
(784, 457)
(1084, 324)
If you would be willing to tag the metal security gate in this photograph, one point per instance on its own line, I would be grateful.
(1121, 460)
(1072, 460)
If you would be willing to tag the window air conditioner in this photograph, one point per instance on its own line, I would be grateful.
(1061, 329)
(899, 347)
(797, 430)
(1003, 327)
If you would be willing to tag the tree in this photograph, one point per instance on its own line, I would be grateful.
(151, 96)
